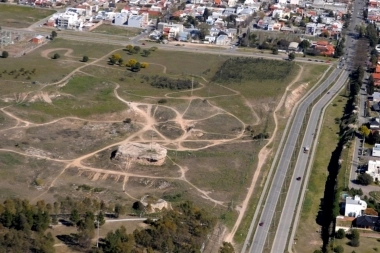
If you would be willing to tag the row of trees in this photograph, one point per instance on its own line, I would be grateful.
(132, 64)
(183, 229)
(173, 84)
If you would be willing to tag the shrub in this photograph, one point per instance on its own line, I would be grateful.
(339, 249)
(144, 65)
(365, 179)
(340, 234)
(162, 101)
(5, 54)
(56, 56)
(85, 58)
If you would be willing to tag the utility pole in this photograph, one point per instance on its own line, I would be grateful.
(97, 240)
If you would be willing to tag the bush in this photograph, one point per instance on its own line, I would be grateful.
(340, 234)
(339, 249)
(144, 65)
(85, 58)
(162, 101)
(355, 243)
(173, 84)
(56, 56)
(365, 179)
(5, 54)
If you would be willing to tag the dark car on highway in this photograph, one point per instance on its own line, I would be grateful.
(298, 178)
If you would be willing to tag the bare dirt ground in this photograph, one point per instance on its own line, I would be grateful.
(146, 115)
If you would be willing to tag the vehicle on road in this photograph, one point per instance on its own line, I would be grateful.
(298, 178)
(261, 224)
(306, 150)
(143, 44)
(328, 92)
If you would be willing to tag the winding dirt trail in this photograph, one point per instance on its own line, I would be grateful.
(263, 155)
(148, 122)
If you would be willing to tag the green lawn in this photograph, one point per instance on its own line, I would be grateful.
(116, 30)
(307, 237)
(86, 96)
(367, 245)
(21, 16)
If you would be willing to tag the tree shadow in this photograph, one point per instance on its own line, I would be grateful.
(69, 240)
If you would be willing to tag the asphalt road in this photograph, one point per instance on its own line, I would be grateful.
(286, 216)
(268, 213)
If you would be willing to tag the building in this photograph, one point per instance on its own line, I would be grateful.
(293, 46)
(121, 18)
(374, 165)
(367, 222)
(354, 206)
(138, 21)
(39, 39)
(222, 40)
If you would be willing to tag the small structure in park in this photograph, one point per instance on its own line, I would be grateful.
(147, 154)
(153, 204)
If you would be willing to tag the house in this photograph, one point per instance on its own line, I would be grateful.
(375, 97)
(376, 78)
(374, 124)
(222, 40)
(39, 39)
(374, 165)
(293, 46)
(121, 18)
(183, 36)
(324, 48)
(138, 21)
(367, 222)
(354, 206)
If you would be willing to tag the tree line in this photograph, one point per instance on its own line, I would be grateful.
(254, 69)
(164, 82)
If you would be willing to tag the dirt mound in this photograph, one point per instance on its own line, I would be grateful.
(149, 154)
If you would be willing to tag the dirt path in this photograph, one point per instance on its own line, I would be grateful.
(263, 155)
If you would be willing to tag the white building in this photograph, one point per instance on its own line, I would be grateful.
(374, 168)
(138, 21)
(222, 40)
(354, 206)
(68, 20)
(121, 18)
(295, 2)
(376, 150)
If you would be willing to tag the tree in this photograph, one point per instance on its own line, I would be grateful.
(305, 44)
(74, 216)
(86, 229)
(206, 14)
(56, 56)
(364, 131)
(274, 50)
(145, 53)
(120, 61)
(292, 56)
(136, 49)
(131, 62)
(85, 58)
(100, 218)
(339, 249)
(4, 54)
(136, 67)
(340, 234)
(226, 248)
(365, 179)
(144, 65)
(53, 35)
(129, 48)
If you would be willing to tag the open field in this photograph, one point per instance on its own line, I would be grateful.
(367, 245)
(73, 124)
(307, 235)
(21, 16)
(116, 30)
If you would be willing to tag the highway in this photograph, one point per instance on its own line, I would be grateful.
(260, 239)
(268, 213)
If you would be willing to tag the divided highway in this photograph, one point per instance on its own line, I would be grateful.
(262, 232)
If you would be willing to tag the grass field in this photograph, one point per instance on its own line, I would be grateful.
(306, 235)
(210, 159)
(116, 30)
(21, 16)
(367, 245)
